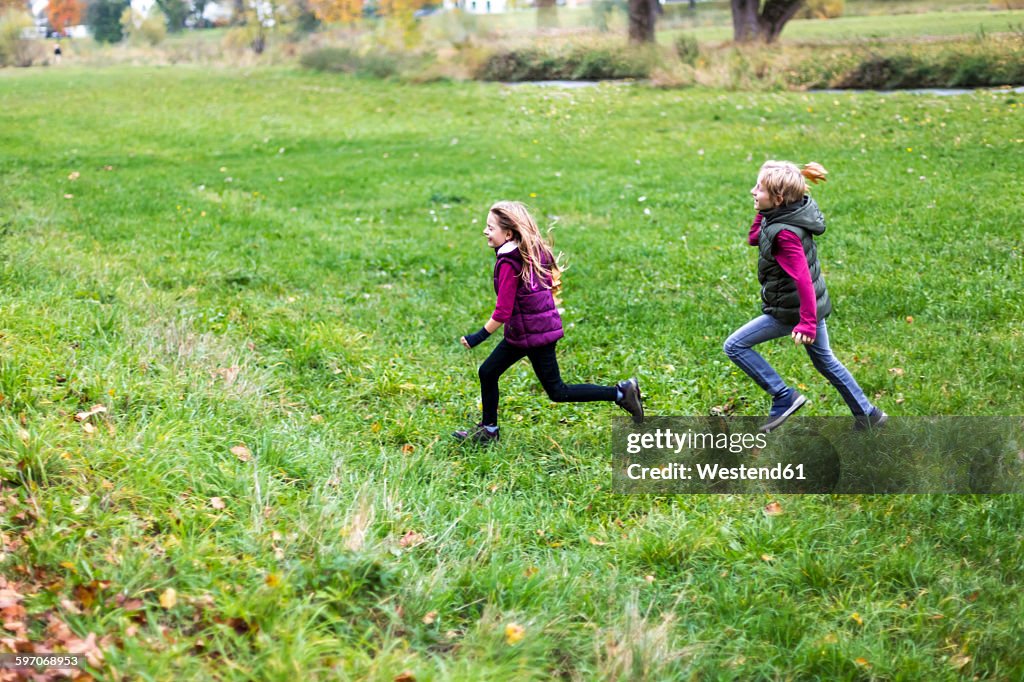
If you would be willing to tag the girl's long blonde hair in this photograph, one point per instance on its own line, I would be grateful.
(539, 262)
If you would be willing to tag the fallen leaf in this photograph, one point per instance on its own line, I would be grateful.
(242, 453)
(86, 647)
(405, 676)
(132, 605)
(95, 409)
(411, 539)
(767, 557)
(514, 633)
(649, 579)
(896, 371)
(959, 661)
(862, 662)
(272, 580)
(217, 503)
(430, 618)
(408, 449)
(855, 617)
(773, 509)
(86, 594)
(169, 598)
(74, 175)
(594, 541)
(910, 319)
(228, 374)
(70, 607)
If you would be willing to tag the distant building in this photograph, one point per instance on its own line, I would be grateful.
(502, 6)
(478, 6)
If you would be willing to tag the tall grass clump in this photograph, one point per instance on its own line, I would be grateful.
(577, 61)
(373, 63)
(15, 49)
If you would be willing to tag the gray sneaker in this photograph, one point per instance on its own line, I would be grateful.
(631, 400)
(873, 420)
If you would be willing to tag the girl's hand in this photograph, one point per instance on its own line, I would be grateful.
(801, 339)
(464, 342)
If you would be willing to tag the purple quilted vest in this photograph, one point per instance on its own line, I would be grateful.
(535, 320)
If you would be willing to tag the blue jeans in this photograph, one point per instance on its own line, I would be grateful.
(740, 349)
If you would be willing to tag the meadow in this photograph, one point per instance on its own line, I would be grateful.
(260, 276)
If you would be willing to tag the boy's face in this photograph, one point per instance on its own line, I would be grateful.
(496, 237)
(763, 201)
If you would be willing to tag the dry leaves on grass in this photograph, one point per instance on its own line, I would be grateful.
(514, 633)
(228, 374)
(85, 414)
(242, 453)
(56, 638)
(411, 539)
(169, 598)
(773, 509)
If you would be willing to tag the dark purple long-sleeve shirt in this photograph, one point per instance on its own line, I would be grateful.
(507, 284)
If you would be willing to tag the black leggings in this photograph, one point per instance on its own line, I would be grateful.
(545, 366)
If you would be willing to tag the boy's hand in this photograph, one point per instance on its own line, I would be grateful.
(801, 339)
(464, 342)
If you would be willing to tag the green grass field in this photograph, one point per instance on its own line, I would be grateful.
(285, 261)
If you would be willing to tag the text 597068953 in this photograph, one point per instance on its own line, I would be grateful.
(40, 661)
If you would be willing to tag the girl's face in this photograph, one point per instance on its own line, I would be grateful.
(763, 201)
(496, 237)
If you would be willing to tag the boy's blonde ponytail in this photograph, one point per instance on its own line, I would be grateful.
(814, 172)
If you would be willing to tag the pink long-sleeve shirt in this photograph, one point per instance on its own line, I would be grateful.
(789, 253)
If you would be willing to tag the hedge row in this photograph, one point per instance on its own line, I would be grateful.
(977, 62)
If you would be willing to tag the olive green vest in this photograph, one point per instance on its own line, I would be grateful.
(779, 296)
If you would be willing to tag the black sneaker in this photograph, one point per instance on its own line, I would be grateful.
(782, 409)
(873, 420)
(631, 400)
(478, 434)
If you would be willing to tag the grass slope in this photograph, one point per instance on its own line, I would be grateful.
(285, 260)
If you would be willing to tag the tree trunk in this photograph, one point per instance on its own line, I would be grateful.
(642, 15)
(748, 25)
(745, 26)
(775, 15)
(547, 14)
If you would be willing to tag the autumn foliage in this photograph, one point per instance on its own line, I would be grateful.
(64, 13)
(337, 11)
